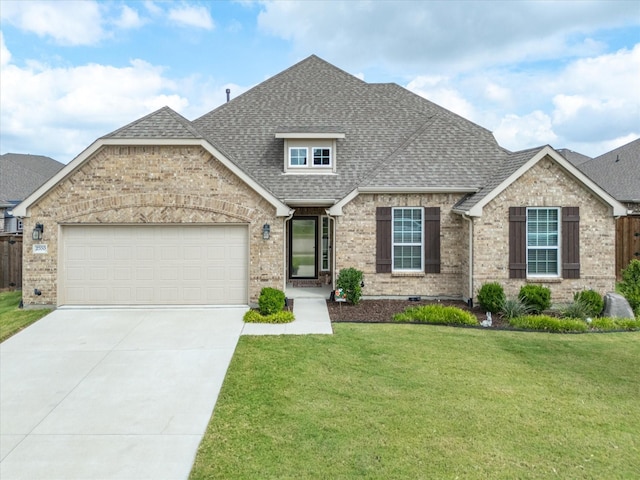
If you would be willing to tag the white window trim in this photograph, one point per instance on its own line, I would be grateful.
(307, 157)
(557, 247)
(325, 219)
(394, 244)
(313, 165)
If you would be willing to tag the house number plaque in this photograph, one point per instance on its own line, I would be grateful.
(41, 248)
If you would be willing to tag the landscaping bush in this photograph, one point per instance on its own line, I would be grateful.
(271, 301)
(436, 314)
(578, 309)
(491, 297)
(608, 323)
(350, 281)
(283, 316)
(630, 285)
(536, 297)
(513, 307)
(591, 300)
(548, 324)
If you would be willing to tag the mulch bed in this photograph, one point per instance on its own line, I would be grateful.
(382, 311)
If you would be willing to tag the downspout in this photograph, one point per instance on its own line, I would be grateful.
(470, 220)
(284, 248)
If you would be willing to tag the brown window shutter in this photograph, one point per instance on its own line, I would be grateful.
(432, 240)
(383, 240)
(517, 242)
(571, 242)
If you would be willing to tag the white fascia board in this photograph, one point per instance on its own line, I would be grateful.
(310, 202)
(309, 136)
(22, 210)
(617, 207)
(336, 210)
(417, 190)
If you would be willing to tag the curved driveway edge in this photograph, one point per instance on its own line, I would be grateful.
(112, 393)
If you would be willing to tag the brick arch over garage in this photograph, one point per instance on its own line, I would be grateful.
(158, 208)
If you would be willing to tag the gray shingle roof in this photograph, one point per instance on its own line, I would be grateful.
(163, 123)
(21, 174)
(511, 163)
(617, 172)
(405, 138)
(575, 158)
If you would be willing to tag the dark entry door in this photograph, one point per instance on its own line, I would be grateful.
(303, 251)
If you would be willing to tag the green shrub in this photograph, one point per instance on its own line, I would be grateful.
(271, 301)
(591, 300)
(283, 316)
(491, 297)
(536, 297)
(578, 309)
(513, 307)
(608, 323)
(548, 324)
(437, 314)
(350, 281)
(630, 285)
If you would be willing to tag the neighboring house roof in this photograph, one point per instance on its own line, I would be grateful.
(388, 140)
(618, 172)
(21, 174)
(574, 157)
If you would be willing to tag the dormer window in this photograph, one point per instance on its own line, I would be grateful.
(321, 157)
(297, 157)
(310, 150)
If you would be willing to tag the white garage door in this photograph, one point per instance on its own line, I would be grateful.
(153, 265)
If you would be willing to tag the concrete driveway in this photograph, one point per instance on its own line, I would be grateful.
(112, 393)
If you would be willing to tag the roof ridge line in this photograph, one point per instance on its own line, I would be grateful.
(394, 154)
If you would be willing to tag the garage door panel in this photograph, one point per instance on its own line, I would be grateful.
(126, 265)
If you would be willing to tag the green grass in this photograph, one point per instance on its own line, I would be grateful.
(12, 319)
(411, 401)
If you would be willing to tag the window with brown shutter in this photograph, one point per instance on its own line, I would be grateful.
(383, 240)
(518, 242)
(432, 240)
(571, 242)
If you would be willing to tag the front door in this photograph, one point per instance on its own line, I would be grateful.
(303, 251)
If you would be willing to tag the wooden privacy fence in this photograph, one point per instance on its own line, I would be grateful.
(627, 242)
(10, 262)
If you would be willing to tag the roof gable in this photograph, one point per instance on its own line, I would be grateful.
(514, 166)
(163, 123)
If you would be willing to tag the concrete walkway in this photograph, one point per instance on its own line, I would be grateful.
(122, 393)
(310, 310)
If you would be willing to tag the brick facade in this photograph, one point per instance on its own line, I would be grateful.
(546, 185)
(152, 185)
(356, 247)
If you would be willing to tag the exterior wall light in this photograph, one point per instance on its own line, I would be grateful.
(37, 231)
(266, 231)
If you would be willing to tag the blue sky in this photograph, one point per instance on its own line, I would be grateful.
(532, 72)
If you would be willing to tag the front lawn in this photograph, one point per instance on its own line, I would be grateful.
(387, 401)
(13, 319)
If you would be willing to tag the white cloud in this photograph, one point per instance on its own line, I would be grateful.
(5, 54)
(129, 18)
(448, 36)
(192, 16)
(66, 22)
(439, 90)
(520, 132)
(76, 105)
